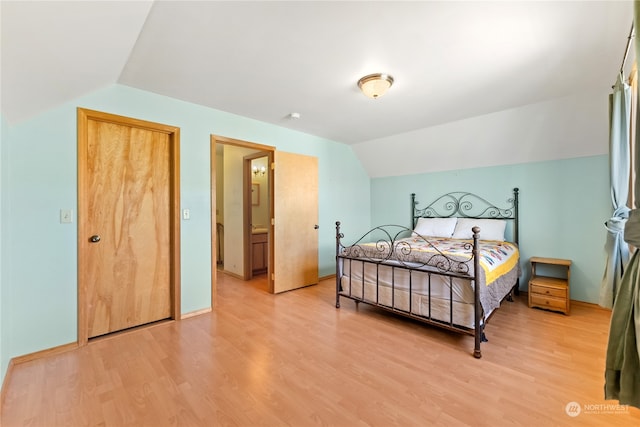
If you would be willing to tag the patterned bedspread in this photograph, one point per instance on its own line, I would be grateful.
(498, 261)
(496, 258)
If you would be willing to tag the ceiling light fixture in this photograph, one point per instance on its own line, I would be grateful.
(375, 85)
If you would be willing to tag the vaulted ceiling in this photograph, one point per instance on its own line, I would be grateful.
(264, 60)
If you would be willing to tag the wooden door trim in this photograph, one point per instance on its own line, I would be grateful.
(83, 117)
(240, 143)
(215, 139)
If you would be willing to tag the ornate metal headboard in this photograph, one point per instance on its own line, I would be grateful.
(467, 205)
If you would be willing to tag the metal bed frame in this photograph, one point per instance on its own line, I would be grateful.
(454, 204)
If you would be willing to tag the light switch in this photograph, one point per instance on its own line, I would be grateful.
(186, 214)
(66, 216)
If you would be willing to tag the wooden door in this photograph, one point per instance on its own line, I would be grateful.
(296, 220)
(128, 217)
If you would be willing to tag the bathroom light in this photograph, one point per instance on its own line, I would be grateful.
(262, 171)
(375, 85)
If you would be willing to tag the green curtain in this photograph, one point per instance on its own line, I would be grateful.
(622, 374)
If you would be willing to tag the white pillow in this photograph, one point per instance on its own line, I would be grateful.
(435, 227)
(490, 229)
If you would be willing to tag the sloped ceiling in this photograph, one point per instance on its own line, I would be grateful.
(451, 60)
(53, 52)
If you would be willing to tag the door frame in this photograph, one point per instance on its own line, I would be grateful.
(267, 151)
(83, 117)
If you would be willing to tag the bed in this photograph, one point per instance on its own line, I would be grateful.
(452, 268)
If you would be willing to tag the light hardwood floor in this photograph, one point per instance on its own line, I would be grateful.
(294, 359)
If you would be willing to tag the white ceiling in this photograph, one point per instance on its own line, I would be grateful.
(450, 59)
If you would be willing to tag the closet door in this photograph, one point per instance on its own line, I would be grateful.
(128, 223)
(295, 221)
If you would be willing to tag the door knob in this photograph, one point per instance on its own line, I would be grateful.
(94, 239)
(315, 227)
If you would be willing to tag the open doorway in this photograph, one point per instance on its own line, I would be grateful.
(242, 205)
(257, 215)
(292, 226)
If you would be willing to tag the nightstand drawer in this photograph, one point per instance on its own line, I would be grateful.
(547, 291)
(552, 303)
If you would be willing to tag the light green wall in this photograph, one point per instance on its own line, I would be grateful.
(563, 206)
(3, 240)
(39, 302)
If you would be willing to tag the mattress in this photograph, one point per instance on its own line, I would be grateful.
(429, 293)
(396, 296)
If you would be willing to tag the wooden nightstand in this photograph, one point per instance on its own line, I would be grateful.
(551, 293)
